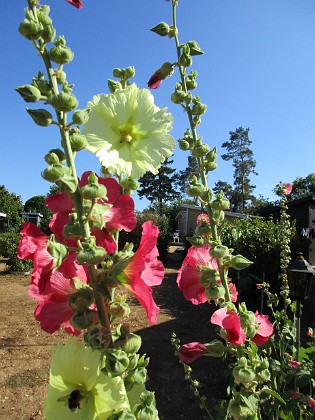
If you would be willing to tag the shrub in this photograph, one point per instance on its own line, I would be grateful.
(8, 249)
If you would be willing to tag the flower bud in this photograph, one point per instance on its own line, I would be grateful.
(41, 117)
(93, 189)
(219, 251)
(113, 85)
(194, 48)
(212, 155)
(198, 109)
(243, 375)
(57, 250)
(185, 60)
(60, 154)
(215, 293)
(178, 96)
(63, 102)
(48, 34)
(206, 196)
(220, 203)
(52, 158)
(85, 320)
(60, 54)
(183, 144)
(90, 254)
(77, 141)
(161, 29)
(29, 93)
(31, 29)
(195, 190)
(129, 344)
(43, 85)
(200, 150)
(215, 348)
(129, 184)
(203, 230)
(72, 231)
(118, 309)
(81, 300)
(130, 72)
(81, 116)
(117, 72)
(54, 172)
(61, 76)
(238, 262)
(196, 241)
(211, 166)
(117, 362)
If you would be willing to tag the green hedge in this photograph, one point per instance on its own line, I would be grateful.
(8, 249)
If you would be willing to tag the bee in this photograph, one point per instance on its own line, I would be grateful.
(73, 399)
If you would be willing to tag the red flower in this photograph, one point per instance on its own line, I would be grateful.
(230, 322)
(265, 329)
(119, 213)
(53, 307)
(287, 188)
(189, 275)
(33, 246)
(76, 3)
(155, 80)
(144, 270)
(294, 363)
(190, 352)
(201, 217)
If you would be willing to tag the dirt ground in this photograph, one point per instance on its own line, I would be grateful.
(25, 350)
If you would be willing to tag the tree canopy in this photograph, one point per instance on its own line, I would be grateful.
(10, 204)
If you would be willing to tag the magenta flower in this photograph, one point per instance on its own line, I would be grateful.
(287, 188)
(53, 307)
(294, 363)
(265, 329)
(76, 3)
(189, 275)
(233, 292)
(190, 352)
(144, 270)
(119, 213)
(311, 402)
(201, 217)
(155, 80)
(295, 395)
(230, 322)
(33, 246)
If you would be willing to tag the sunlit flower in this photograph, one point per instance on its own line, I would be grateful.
(33, 246)
(233, 292)
(287, 188)
(76, 3)
(78, 388)
(189, 276)
(294, 363)
(144, 270)
(190, 352)
(128, 133)
(265, 329)
(54, 307)
(202, 217)
(118, 212)
(230, 322)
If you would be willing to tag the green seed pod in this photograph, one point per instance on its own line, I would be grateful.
(31, 29)
(206, 196)
(200, 150)
(41, 117)
(81, 300)
(161, 29)
(63, 102)
(185, 60)
(243, 375)
(203, 230)
(81, 116)
(60, 54)
(42, 84)
(129, 184)
(29, 93)
(93, 191)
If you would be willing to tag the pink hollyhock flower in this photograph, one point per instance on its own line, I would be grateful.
(311, 402)
(265, 329)
(53, 307)
(294, 363)
(189, 275)
(310, 332)
(144, 270)
(294, 395)
(201, 217)
(76, 3)
(33, 246)
(119, 213)
(287, 188)
(190, 352)
(233, 292)
(259, 286)
(230, 322)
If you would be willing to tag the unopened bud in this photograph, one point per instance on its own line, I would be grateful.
(194, 48)
(90, 254)
(196, 241)
(219, 251)
(77, 141)
(54, 172)
(117, 362)
(238, 262)
(161, 29)
(200, 150)
(41, 117)
(63, 102)
(31, 29)
(60, 54)
(29, 93)
(93, 189)
(81, 116)
(85, 320)
(113, 85)
(183, 144)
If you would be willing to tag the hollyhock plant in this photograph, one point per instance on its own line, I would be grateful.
(54, 306)
(190, 352)
(128, 132)
(161, 74)
(265, 329)
(144, 270)
(189, 276)
(228, 319)
(311, 402)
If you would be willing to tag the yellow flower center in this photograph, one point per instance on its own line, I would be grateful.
(125, 136)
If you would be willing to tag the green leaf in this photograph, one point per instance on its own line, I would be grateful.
(274, 394)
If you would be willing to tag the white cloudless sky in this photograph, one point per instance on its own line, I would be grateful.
(257, 71)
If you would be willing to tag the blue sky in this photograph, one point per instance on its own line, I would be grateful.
(258, 71)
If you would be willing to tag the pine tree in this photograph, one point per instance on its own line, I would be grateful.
(238, 150)
(160, 188)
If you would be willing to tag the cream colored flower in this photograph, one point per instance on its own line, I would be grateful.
(128, 133)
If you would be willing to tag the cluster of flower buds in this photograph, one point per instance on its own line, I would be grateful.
(124, 75)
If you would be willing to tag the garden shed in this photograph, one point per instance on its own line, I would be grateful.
(31, 217)
(187, 216)
(2, 218)
(302, 213)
